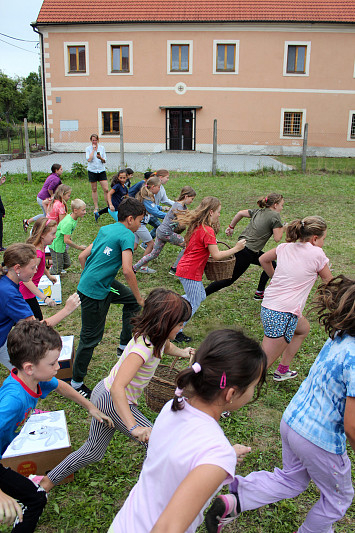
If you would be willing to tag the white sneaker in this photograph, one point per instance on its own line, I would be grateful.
(290, 374)
(147, 270)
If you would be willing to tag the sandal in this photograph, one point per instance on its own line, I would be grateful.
(25, 225)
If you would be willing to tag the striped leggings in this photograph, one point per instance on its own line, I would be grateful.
(159, 244)
(194, 293)
(99, 438)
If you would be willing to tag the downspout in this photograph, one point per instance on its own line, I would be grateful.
(45, 118)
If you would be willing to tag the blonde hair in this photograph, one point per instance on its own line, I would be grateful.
(145, 193)
(186, 191)
(199, 216)
(59, 195)
(304, 229)
(18, 253)
(270, 200)
(40, 228)
(77, 204)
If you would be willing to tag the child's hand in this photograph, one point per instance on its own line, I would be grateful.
(240, 245)
(50, 302)
(140, 301)
(111, 207)
(241, 451)
(52, 279)
(100, 416)
(9, 509)
(82, 247)
(142, 433)
(72, 303)
(2, 180)
(229, 231)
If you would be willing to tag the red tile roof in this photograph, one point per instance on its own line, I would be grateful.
(96, 11)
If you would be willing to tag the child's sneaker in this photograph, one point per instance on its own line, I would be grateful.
(35, 479)
(172, 271)
(259, 295)
(25, 225)
(224, 509)
(84, 391)
(290, 374)
(181, 337)
(147, 270)
(143, 245)
(97, 216)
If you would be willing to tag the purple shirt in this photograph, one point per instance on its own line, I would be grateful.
(52, 182)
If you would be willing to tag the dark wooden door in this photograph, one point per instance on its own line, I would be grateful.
(181, 129)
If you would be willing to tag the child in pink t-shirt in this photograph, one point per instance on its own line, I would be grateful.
(200, 242)
(58, 208)
(163, 314)
(299, 261)
(43, 234)
(189, 458)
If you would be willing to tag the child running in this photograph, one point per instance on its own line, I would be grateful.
(43, 234)
(118, 394)
(299, 262)
(313, 428)
(200, 239)
(265, 223)
(146, 196)
(115, 195)
(34, 349)
(166, 233)
(189, 458)
(58, 249)
(58, 207)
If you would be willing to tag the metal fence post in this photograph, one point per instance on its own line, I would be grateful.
(214, 153)
(28, 158)
(122, 165)
(304, 149)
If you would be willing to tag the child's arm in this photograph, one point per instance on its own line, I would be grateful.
(191, 495)
(217, 254)
(171, 349)
(325, 274)
(35, 290)
(51, 278)
(71, 304)
(68, 392)
(125, 374)
(266, 260)
(278, 232)
(349, 421)
(9, 509)
(110, 193)
(152, 209)
(84, 255)
(127, 270)
(236, 219)
(69, 242)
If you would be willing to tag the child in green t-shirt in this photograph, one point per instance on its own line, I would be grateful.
(58, 249)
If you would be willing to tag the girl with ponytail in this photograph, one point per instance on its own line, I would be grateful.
(189, 458)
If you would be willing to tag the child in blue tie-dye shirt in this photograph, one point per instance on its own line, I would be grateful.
(314, 428)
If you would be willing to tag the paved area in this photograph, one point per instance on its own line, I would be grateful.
(179, 161)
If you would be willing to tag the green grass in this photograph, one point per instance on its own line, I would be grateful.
(92, 500)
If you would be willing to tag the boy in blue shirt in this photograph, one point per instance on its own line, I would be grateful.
(34, 350)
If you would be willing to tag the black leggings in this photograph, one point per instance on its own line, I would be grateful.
(34, 305)
(32, 497)
(243, 260)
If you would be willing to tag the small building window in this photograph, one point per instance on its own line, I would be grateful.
(225, 60)
(120, 58)
(296, 59)
(76, 59)
(110, 122)
(292, 125)
(179, 58)
(352, 127)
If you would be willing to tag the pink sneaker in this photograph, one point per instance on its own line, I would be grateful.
(35, 479)
(222, 511)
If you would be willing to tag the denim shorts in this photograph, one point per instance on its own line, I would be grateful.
(278, 324)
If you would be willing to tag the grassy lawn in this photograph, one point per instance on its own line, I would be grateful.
(92, 500)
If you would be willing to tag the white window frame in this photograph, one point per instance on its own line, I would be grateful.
(351, 113)
(224, 41)
(108, 110)
(130, 57)
(168, 58)
(288, 110)
(66, 62)
(308, 58)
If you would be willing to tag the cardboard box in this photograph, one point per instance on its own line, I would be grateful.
(66, 358)
(50, 289)
(42, 444)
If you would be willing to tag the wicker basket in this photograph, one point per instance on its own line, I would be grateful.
(161, 387)
(217, 270)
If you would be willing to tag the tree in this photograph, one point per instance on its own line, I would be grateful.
(32, 97)
(11, 103)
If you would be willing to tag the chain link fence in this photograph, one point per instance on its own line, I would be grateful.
(12, 139)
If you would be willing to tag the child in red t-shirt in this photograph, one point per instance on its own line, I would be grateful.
(203, 224)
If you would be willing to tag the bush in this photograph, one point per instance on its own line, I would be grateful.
(78, 170)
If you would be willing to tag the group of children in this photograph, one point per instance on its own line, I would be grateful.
(187, 451)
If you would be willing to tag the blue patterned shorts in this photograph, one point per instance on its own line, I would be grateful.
(278, 324)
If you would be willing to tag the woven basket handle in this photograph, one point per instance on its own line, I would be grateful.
(175, 360)
(222, 242)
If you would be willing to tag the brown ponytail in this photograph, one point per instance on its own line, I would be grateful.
(304, 229)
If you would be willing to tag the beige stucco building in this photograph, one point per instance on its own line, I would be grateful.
(168, 69)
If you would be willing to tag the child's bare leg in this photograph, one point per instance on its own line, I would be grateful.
(104, 186)
(300, 334)
(273, 348)
(94, 195)
(46, 484)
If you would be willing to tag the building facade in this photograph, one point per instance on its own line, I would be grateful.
(165, 70)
